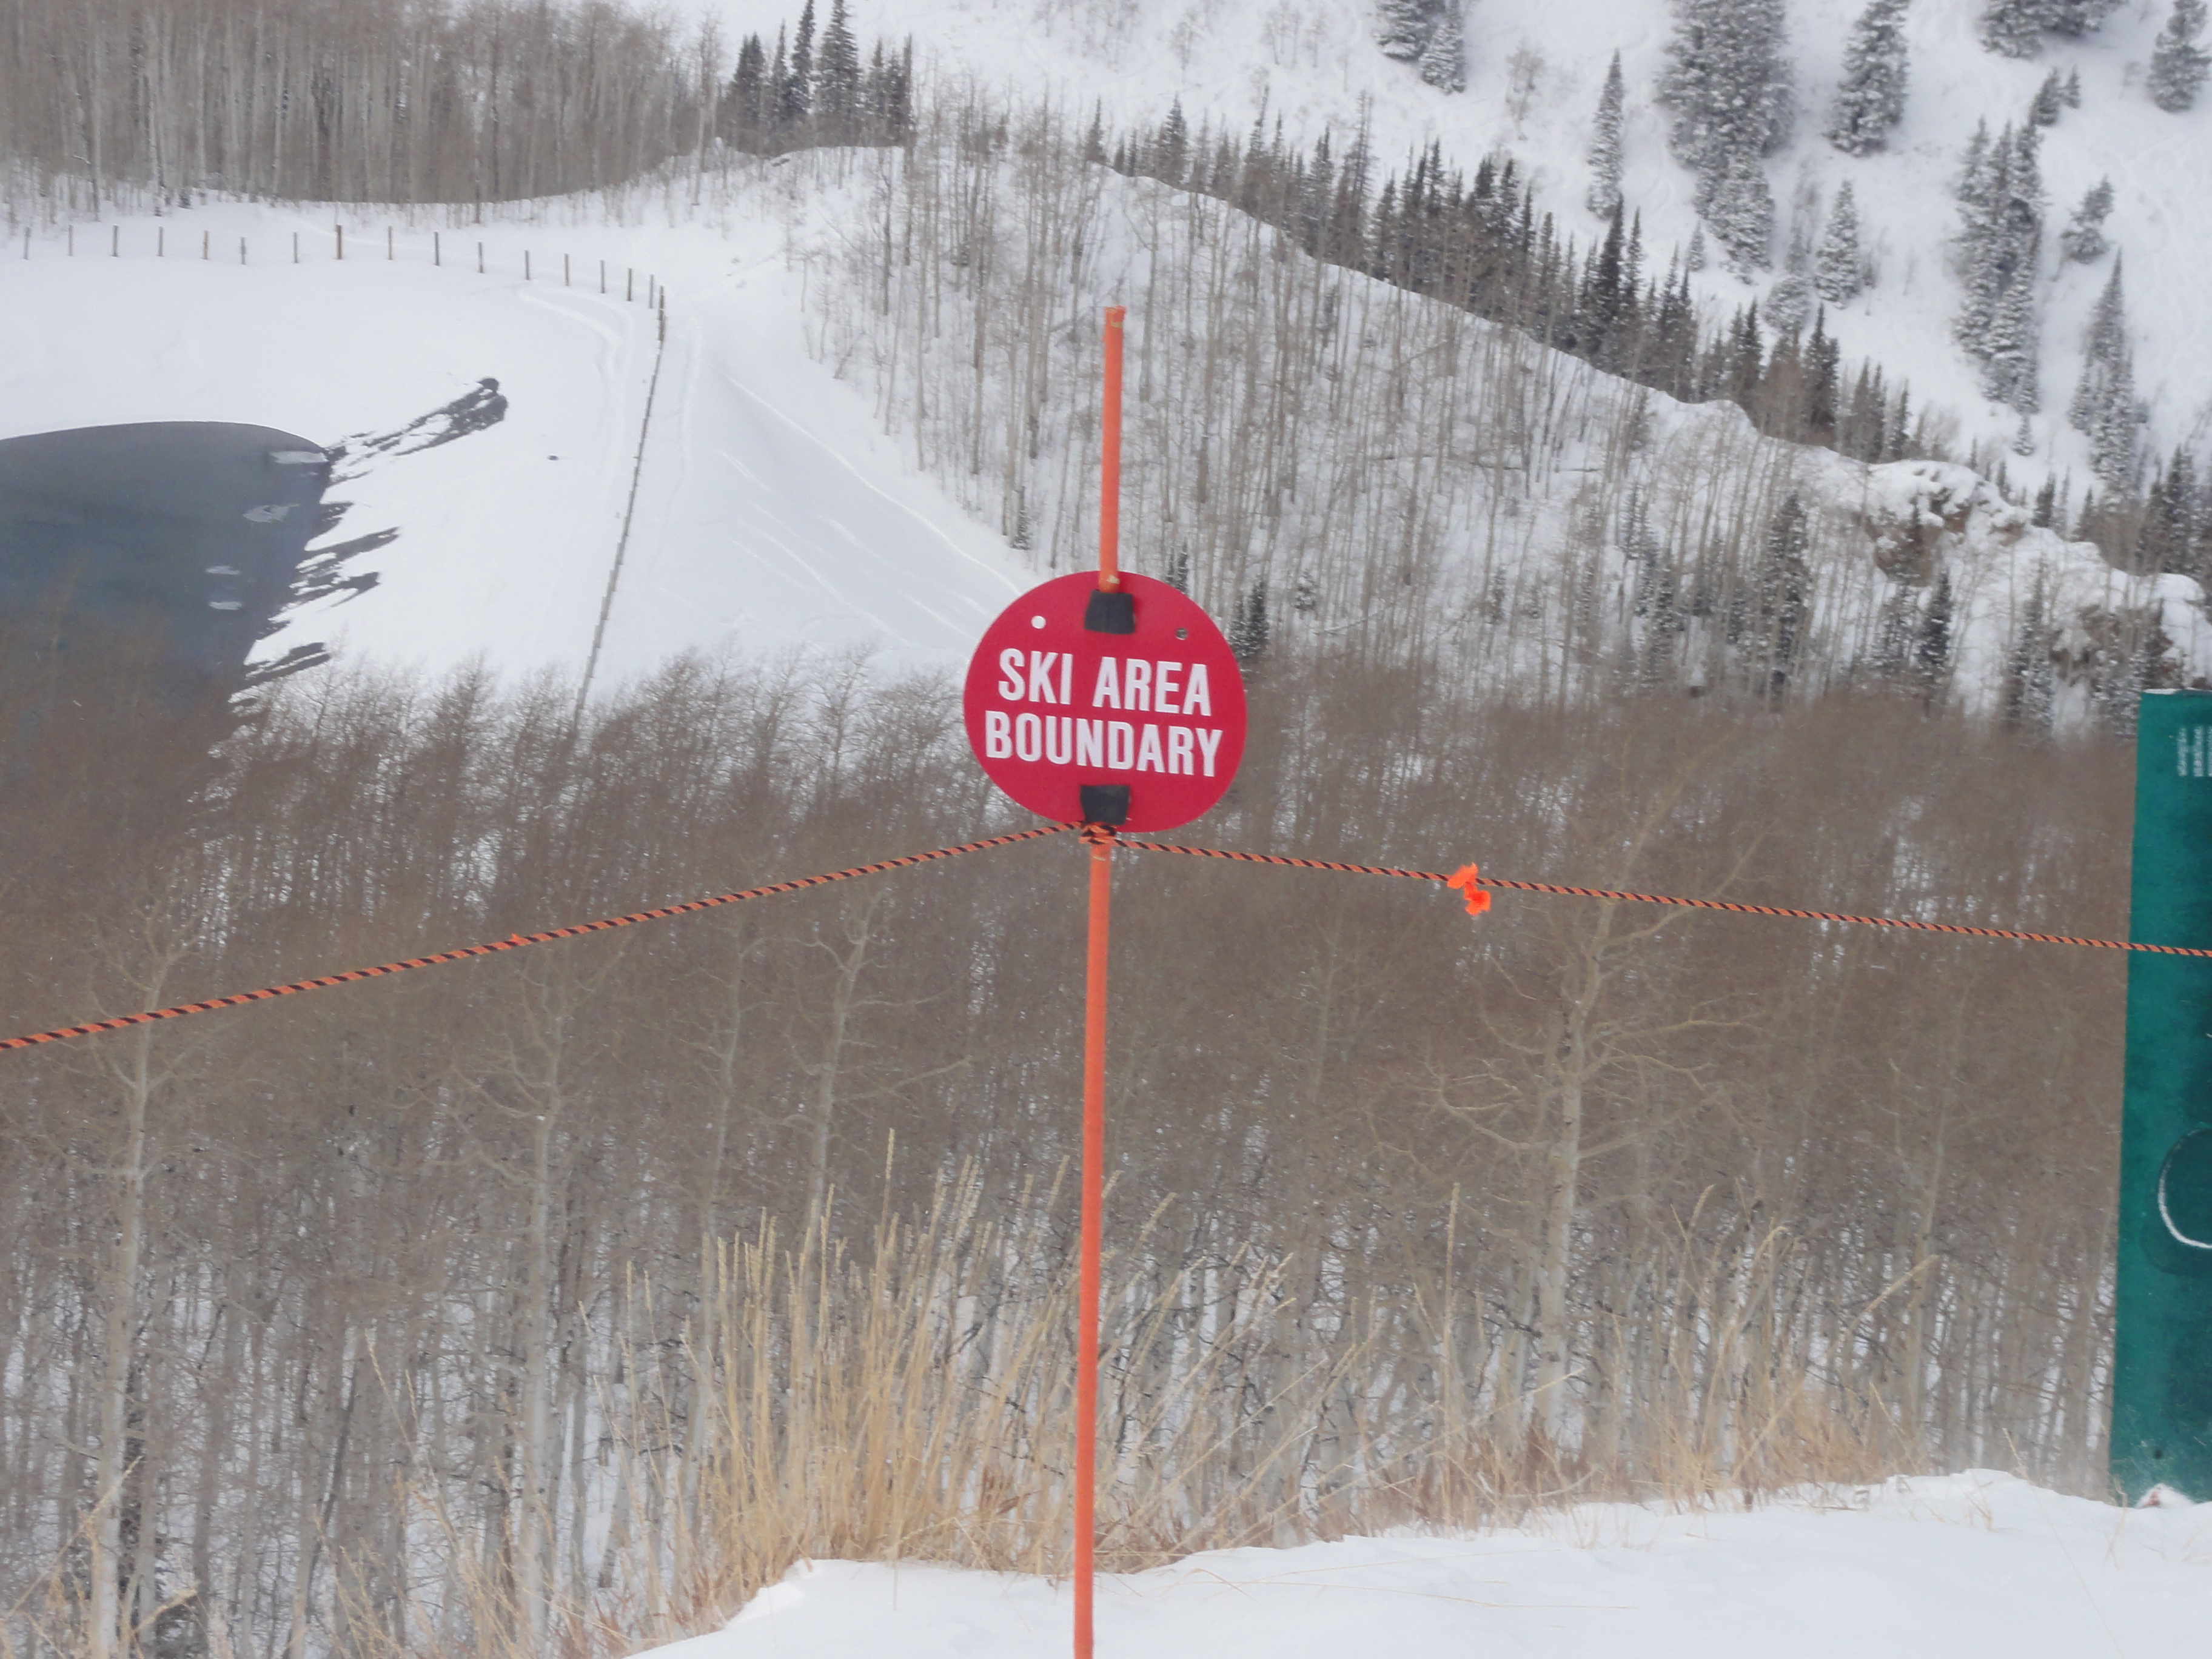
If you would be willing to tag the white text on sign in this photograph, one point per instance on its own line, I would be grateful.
(1126, 684)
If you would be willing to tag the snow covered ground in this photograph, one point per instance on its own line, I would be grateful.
(771, 511)
(1535, 70)
(1960, 1567)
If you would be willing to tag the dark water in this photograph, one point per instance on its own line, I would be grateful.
(184, 537)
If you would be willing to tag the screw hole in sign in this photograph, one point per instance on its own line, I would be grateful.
(1052, 708)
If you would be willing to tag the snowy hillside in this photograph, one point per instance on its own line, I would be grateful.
(1535, 70)
(1546, 521)
(768, 514)
(1973, 1564)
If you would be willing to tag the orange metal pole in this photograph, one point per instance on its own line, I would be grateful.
(1109, 484)
(1094, 1207)
(1085, 1473)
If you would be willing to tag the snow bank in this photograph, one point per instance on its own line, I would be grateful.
(1951, 1568)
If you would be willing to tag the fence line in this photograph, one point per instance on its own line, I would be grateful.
(629, 282)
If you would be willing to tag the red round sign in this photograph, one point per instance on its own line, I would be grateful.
(1075, 695)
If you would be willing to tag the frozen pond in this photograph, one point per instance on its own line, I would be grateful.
(187, 534)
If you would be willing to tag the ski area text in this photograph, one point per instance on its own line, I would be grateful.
(1053, 707)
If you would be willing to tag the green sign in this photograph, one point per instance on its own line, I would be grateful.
(2162, 1347)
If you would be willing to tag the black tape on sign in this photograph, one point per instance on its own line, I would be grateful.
(1104, 803)
(1110, 613)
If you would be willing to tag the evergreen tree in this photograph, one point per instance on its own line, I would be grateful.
(2177, 63)
(2023, 436)
(1870, 100)
(1606, 298)
(1169, 155)
(2084, 238)
(2167, 539)
(2046, 504)
(1249, 630)
(1972, 183)
(1741, 214)
(1838, 271)
(2104, 404)
(2000, 243)
(1790, 301)
(1824, 364)
(1727, 80)
(1401, 28)
(2073, 93)
(743, 112)
(2029, 683)
(2076, 18)
(779, 87)
(2050, 99)
(1931, 648)
(2127, 661)
(837, 80)
(1693, 256)
(1858, 429)
(2085, 522)
(2014, 28)
(1896, 625)
(1443, 60)
(1784, 598)
(891, 94)
(1604, 198)
(2014, 344)
(798, 102)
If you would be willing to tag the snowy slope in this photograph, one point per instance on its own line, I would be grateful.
(772, 509)
(1535, 70)
(1969, 1566)
(769, 513)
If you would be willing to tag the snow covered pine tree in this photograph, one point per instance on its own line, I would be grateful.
(1836, 271)
(2177, 63)
(2000, 194)
(1427, 33)
(1870, 99)
(1728, 82)
(1604, 198)
(2084, 238)
(2050, 100)
(2104, 404)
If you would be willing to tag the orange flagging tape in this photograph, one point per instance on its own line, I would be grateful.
(1468, 881)
(516, 941)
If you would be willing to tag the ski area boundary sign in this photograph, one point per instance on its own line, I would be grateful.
(1091, 706)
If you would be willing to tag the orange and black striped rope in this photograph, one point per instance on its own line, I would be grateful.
(516, 941)
(1476, 887)
(1466, 879)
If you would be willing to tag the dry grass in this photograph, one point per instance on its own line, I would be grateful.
(912, 1401)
